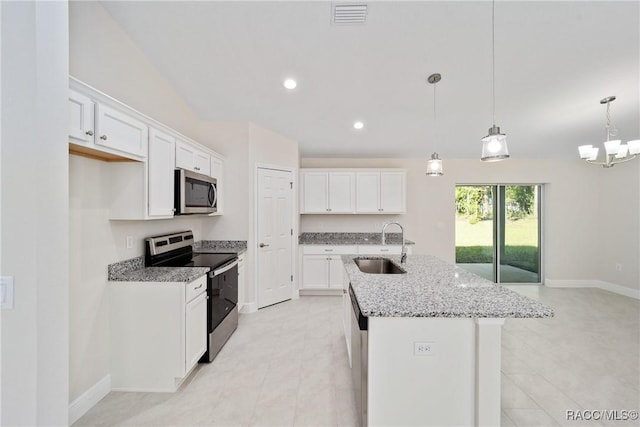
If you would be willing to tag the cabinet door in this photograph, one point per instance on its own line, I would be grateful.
(335, 272)
(392, 192)
(161, 164)
(315, 192)
(195, 330)
(118, 131)
(202, 162)
(185, 156)
(80, 118)
(368, 192)
(315, 271)
(217, 168)
(342, 195)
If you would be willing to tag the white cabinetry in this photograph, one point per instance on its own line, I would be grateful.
(119, 131)
(81, 129)
(191, 158)
(322, 266)
(346, 314)
(381, 192)
(158, 333)
(327, 192)
(160, 173)
(217, 172)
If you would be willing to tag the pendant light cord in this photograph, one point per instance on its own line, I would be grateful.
(493, 58)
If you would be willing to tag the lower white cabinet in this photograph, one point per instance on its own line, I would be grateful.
(158, 333)
(322, 266)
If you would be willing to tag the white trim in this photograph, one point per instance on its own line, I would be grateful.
(321, 292)
(89, 398)
(249, 307)
(489, 321)
(600, 284)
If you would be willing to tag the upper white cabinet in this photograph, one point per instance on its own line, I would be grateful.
(119, 131)
(191, 158)
(348, 191)
(103, 128)
(161, 165)
(381, 192)
(217, 172)
(81, 120)
(327, 192)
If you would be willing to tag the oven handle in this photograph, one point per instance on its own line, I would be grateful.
(225, 268)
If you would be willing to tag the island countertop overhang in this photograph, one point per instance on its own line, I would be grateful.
(434, 288)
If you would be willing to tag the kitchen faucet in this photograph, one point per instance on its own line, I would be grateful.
(403, 256)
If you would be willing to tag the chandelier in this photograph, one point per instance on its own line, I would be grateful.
(615, 151)
(434, 165)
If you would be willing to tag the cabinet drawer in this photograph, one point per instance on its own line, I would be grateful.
(329, 250)
(379, 249)
(195, 288)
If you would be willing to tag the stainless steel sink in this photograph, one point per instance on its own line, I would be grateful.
(378, 266)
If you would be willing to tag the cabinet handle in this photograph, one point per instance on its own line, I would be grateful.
(262, 245)
(196, 168)
(328, 250)
(384, 250)
(173, 210)
(198, 287)
(329, 209)
(89, 132)
(103, 137)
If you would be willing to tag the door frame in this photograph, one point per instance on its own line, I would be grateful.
(541, 225)
(295, 292)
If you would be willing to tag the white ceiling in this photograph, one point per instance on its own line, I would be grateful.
(554, 62)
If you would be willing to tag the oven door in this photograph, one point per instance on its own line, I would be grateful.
(195, 193)
(222, 289)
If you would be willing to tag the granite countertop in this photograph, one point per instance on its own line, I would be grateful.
(434, 288)
(133, 270)
(351, 239)
(161, 274)
(220, 246)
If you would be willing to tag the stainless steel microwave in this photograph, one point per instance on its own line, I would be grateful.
(195, 193)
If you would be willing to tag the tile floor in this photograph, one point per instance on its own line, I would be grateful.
(287, 365)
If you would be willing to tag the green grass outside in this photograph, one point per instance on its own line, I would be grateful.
(474, 243)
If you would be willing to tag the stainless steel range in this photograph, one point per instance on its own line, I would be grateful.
(176, 250)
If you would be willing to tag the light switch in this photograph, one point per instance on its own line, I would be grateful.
(6, 292)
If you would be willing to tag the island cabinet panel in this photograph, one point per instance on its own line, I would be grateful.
(435, 389)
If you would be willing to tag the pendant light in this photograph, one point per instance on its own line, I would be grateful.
(494, 145)
(434, 165)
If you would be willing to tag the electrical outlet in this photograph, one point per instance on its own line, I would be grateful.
(618, 266)
(129, 242)
(423, 348)
(6, 292)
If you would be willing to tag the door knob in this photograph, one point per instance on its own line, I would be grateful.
(262, 245)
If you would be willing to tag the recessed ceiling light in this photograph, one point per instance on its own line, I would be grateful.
(290, 84)
(358, 125)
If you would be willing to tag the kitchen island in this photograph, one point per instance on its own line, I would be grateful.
(424, 345)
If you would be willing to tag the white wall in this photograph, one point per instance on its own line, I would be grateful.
(35, 333)
(244, 146)
(104, 57)
(575, 194)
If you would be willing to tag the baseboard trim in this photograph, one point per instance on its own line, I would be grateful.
(89, 398)
(600, 284)
(249, 307)
(321, 292)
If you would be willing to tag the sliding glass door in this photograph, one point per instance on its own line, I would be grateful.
(498, 232)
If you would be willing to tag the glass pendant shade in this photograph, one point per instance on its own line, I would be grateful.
(634, 146)
(494, 146)
(434, 166)
(611, 147)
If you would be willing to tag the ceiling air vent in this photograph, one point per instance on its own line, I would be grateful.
(349, 13)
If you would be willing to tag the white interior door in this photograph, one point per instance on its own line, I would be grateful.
(275, 234)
